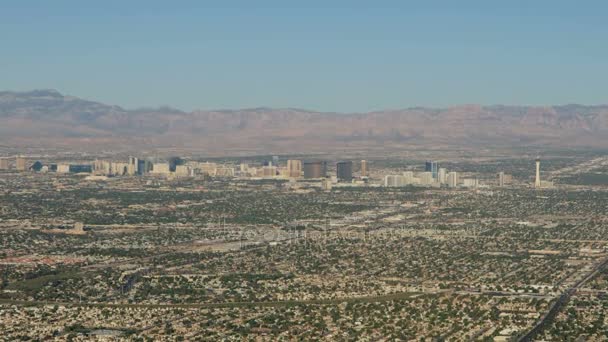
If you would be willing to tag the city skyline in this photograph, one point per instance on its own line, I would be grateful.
(310, 171)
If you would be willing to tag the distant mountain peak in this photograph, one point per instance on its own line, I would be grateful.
(35, 93)
(45, 116)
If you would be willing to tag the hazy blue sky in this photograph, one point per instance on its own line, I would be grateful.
(324, 55)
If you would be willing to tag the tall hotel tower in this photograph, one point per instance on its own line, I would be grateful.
(537, 180)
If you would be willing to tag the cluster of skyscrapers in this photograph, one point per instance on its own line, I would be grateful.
(176, 167)
(433, 175)
(133, 166)
(344, 170)
(21, 163)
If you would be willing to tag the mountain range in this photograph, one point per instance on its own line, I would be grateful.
(44, 118)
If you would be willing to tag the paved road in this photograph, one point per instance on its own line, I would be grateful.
(378, 298)
(556, 306)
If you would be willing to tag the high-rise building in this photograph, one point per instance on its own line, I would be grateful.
(270, 171)
(537, 183)
(183, 171)
(161, 168)
(314, 169)
(275, 160)
(207, 168)
(99, 167)
(119, 169)
(224, 171)
(283, 172)
(442, 175)
(389, 180)
(453, 179)
(74, 168)
(470, 183)
(501, 179)
(133, 167)
(173, 162)
(294, 168)
(426, 178)
(21, 163)
(143, 166)
(432, 167)
(63, 168)
(4, 164)
(245, 170)
(364, 168)
(408, 177)
(344, 171)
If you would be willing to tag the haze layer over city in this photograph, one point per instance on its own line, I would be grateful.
(334, 171)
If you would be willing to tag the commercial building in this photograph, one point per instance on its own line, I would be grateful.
(432, 167)
(119, 169)
(21, 163)
(344, 171)
(364, 168)
(453, 179)
(36, 166)
(101, 167)
(294, 168)
(81, 168)
(314, 169)
(501, 179)
(173, 162)
(183, 171)
(408, 177)
(63, 168)
(442, 175)
(537, 182)
(133, 167)
(394, 181)
(4, 164)
(143, 166)
(161, 168)
(209, 169)
(283, 172)
(269, 171)
(74, 168)
(470, 183)
(426, 178)
(224, 171)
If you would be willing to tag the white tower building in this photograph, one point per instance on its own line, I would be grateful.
(537, 180)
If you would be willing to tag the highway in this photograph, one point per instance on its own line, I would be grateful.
(556, 306)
